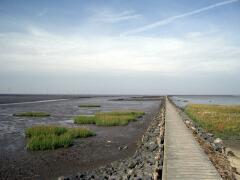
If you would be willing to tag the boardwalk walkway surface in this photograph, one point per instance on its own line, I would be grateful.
(184, 159)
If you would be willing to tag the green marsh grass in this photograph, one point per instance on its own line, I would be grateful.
(53, 137)
(32, 114)
(116, 118)
(221, 120)
(84, 119)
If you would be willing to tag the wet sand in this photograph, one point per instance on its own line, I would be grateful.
(85, 154)
(17, 98)
(234, 145)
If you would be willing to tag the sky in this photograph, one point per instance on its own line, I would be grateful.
(120, 46)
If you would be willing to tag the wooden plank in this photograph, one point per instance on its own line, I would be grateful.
(183, 156)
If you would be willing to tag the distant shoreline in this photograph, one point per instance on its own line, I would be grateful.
(32, 102)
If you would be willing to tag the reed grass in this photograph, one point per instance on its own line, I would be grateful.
(53, 137)
(116, 118)
(85, 119)
(221, 120)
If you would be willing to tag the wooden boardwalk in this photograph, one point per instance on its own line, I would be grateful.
(184, 159)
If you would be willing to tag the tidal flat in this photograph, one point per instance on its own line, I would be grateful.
(109, 144)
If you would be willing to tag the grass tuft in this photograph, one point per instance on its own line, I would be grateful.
(116, 118)
(221, 120)
(53, 137)
(45, 130)
(80, 133)
(32, 114)
(89, 105)
(84, 119)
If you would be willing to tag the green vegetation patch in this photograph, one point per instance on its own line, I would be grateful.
(85, 119)
(32, 114)
(116, 118)
(53, 137)
(89, 105)
(221, 120)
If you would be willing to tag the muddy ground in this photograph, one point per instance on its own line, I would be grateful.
(85, 154)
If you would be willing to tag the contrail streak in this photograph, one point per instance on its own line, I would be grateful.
(171, 19)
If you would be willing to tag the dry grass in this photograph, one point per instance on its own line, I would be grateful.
(221, 120)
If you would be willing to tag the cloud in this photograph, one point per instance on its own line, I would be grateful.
(45, 52)
(108, 16)
(174, 18)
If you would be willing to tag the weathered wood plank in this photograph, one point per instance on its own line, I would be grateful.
(183, 156)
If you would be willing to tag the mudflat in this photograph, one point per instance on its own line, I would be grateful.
(110, 144)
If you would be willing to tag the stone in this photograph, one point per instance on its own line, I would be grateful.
(157, 157)
(152, 146)
(217, 147)
(193, 128)
(204, 136)
(155, 176)
(218, 141)
(82, 175)
(113, 178)
(229, 152)
(125, 177)
(130, 172)
(187, 122)
(91, 176)
(150, 161)
(147, 177)
(210, 134)
(132, 164)
(61, 178)
(210, 139)
(139, 177)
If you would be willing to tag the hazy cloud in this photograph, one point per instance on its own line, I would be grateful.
(44, 51)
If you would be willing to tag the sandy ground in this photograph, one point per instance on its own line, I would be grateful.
(234, 160)
(85, 154)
